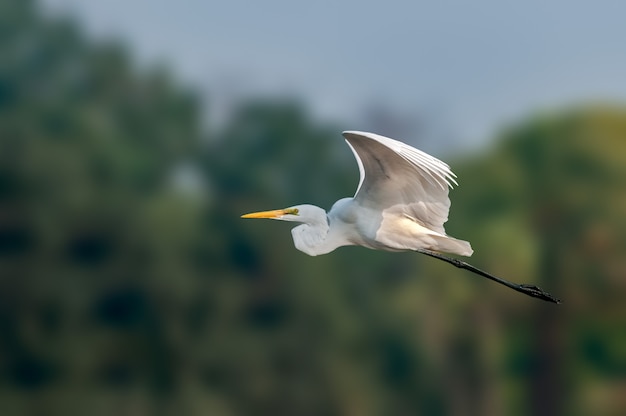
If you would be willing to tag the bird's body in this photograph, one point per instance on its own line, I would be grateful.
(349, 223)
(401, 204)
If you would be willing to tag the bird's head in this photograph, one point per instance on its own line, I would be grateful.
(309, 214)
(308, 237)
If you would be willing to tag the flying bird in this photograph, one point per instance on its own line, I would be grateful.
(401, 204)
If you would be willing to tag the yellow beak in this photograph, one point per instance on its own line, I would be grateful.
(267, 214)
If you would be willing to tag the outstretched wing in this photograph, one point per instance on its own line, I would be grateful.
(398, 177)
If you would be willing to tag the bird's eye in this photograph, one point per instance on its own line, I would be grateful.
(292, 211)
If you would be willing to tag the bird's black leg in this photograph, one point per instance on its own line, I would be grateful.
(529, 290)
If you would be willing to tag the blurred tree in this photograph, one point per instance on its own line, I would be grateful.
(88, 220)
(576, 168)
(552, 192)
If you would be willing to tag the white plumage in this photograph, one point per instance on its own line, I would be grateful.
(401, 203)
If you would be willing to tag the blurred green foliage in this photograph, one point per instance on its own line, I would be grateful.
(129, 285)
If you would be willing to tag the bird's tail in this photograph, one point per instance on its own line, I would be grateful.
(452, 245)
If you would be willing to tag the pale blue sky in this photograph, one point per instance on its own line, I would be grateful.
(476, 65)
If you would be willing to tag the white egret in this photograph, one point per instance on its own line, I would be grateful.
(401, 204)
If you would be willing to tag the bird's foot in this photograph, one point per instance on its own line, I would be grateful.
(537, 292)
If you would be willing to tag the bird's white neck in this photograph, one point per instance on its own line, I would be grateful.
(311, 238)
(315, 236)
